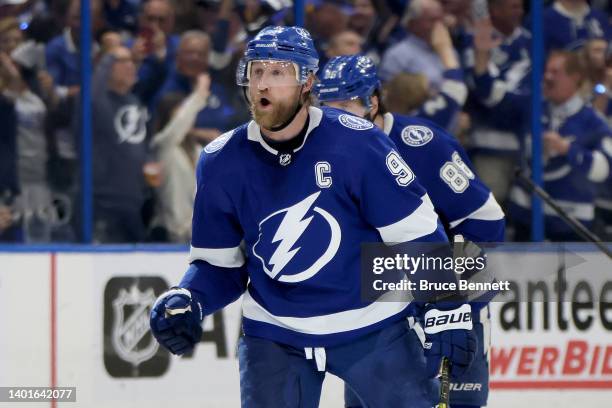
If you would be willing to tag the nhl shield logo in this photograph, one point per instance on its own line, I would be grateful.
(417, 136)
(218, 143)
(284, 159)
(132, 310)
(130, 350)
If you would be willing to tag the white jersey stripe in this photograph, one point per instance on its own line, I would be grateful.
(222, 257)
(489, 211)
(331, 323)
(423, 221)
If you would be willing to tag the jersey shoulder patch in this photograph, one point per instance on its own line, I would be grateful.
(416, 135)
(218, 143)
(354, 122)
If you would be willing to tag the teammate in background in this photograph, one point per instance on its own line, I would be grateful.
(280, 213)
(463, 203)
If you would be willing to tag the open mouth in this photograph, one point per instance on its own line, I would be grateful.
(264, 102)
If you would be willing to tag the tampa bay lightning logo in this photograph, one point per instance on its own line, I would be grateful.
(218, 143)
(295, 243)
(417, 135)
(354, 122)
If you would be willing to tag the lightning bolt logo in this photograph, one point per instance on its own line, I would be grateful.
(292, 227)
(289, 231)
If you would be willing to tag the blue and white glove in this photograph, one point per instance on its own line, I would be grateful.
(176, 320)
(449, 333)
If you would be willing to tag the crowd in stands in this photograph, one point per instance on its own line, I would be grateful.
(163, 86)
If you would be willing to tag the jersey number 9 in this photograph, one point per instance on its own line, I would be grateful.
(398, 167)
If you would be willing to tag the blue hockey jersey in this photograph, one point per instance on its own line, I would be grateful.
(464, 204)
(509, 67)
(564, 29)
(442, 109)
(573, 179)
(510, 58)
(286, 229)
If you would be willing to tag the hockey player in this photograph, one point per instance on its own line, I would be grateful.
(280, 213)
(462, 201)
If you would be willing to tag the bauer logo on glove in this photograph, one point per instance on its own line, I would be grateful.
(440, 320)
(449, 334)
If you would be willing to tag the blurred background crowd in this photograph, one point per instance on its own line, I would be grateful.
(163, 87)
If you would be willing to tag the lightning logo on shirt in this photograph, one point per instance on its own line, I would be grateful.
(295, 225)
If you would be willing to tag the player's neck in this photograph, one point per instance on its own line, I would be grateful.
(379, 121)
(292, 130)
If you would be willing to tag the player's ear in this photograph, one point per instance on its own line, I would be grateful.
(309, 84)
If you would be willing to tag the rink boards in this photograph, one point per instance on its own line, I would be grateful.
(81, 319)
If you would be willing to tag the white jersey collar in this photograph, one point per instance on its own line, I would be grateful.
(578, 16)
(568, 108)
(387, 123)
(254, 132)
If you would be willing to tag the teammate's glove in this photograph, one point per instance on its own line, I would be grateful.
(449, 333)
(176, 320)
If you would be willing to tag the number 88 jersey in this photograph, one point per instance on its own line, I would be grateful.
(464, 204)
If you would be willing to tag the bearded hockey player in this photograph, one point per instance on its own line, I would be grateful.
(464, 204)
(283, 204)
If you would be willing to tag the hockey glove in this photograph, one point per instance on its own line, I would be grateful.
(176, 320)
(449, 333)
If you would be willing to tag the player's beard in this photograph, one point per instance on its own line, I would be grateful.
(281, 112)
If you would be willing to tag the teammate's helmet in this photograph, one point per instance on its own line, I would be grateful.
(290, 44)
(348, 77)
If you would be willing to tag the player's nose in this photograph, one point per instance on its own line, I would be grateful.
(262, 85)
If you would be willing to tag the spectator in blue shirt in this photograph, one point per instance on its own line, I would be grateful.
(568, 24)
(62, 52)
(410, 94)
(121, 15)
(414, 54)
(119, 143)
(576, 143)
(154, 48)
(191, 61)
(495, 143)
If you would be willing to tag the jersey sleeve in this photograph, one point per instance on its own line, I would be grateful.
(391, 198)
(464, 203)
(444, 107)
(217, 274)
(594, 161)
(510, 102)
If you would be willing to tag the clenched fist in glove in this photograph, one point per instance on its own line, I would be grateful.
(176, 320)
(449, 334)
